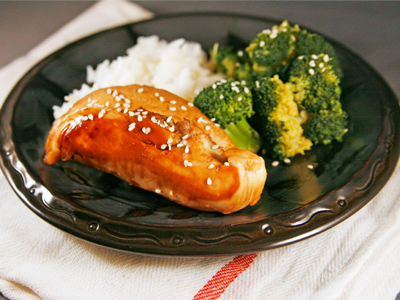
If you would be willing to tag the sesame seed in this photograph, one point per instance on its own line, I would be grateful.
(127, 100)
(172, 102)
(326, 58)
(187, 163)
(169, 141)
(90, 117)
(183, 107)
(216, 124)
(127, 105)
(180, 145)
(311, 167)
(140, 90)
(314, 56)
(214, 147)
(211, 166)
(146, 130)
(107, 104)
(115, 93)
(109, 91)
(158, 191)
(286, 160)
(164, 146)
(311, 71)
(321, 65)
(187, 149)
(117, 105)
(207, 127)
(172, 128)
(275, 163)
(131, 113)
(162, 99)
(209, 181)
(139, 109)
(172, 108)
(89, 105)
(312, 63)
(226, 164)
(153, 119)
(125, 110)
(139, 118)
(169, 119)
(119, 109)
(185, 137)
(214, 86)
(213, 119)
(157, 94)
(145, 113)
(117, 98)
(85, 118)
(201, 120)
(190, 104)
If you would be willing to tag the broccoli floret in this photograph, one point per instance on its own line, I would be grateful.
(232, 62)
(312, 43)
(316, 90)
(224, 59)
(315, 85)
(230, 103)
(326, 126)
(277, 118)
(272, 50)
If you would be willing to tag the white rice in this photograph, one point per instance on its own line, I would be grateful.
(180, 67)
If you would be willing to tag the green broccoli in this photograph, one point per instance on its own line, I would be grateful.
(312, 43)
(232, 62)
(277, 118)
(317, 92)
(272, 50)
(230, 103)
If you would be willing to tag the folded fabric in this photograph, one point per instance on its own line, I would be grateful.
(357, 259)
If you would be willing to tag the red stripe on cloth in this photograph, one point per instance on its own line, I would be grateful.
(224, 277)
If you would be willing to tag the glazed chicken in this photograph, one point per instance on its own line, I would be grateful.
(159, 142)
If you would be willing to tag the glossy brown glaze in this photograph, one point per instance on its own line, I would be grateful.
(159, 142)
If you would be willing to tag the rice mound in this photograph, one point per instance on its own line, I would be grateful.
(180, 67)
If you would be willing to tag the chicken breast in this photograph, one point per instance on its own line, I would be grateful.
(159, 142)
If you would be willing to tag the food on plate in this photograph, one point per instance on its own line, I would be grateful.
(230, 103)
(180, 67)
(160, 142)
(294, 78)
(317, 92)
(278, 119)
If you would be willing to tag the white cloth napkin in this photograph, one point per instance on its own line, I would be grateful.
(357, 259)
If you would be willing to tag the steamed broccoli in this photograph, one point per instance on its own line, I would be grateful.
(232, 62)
(277, 118)
(317, 92)
(272, 50)
(230, 104)
(312, 43)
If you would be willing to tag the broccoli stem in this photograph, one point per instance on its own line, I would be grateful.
(244, 136)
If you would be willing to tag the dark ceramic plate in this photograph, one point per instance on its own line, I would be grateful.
(297, 202)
